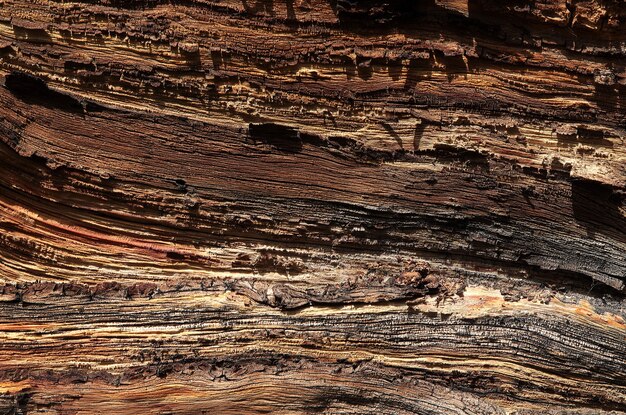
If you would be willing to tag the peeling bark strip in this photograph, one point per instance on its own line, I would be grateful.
(339, 207)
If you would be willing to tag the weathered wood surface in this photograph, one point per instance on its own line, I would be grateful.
(312, 206)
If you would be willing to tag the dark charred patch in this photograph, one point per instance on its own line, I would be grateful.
(34, 90)
(281, 137)
(74, 65)
(597, 206)
(470, 156)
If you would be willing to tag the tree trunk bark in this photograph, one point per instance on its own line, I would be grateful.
(312, 206)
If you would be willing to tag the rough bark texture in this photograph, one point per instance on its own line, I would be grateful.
(312, 206)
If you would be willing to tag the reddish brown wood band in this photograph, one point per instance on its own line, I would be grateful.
(312, 206)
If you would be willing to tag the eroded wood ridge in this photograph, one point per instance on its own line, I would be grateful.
(312, 206)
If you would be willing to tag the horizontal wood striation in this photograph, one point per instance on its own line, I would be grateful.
(312, 207)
